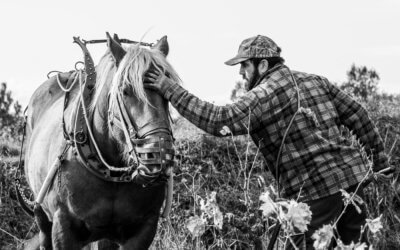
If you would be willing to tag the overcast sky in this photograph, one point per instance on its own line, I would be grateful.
(320, 37)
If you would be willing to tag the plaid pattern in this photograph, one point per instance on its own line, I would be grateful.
(316, 159)
(255, 47)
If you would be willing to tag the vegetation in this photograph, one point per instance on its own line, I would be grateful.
(220, 187)
(10, 114)
(361, 82)
(14, 224)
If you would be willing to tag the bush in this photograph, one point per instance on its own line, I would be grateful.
(218, 183)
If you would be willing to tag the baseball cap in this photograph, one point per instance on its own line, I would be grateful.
(255, 47)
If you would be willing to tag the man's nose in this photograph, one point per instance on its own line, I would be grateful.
(241, 70)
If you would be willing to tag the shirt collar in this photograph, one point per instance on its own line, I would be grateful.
(268, 74)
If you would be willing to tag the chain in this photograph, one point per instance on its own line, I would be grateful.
(22, 194)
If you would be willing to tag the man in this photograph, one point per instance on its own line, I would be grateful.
(295, 120)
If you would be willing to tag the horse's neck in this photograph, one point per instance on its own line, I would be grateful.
(102, 134)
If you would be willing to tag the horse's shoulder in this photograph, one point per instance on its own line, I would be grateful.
(49, 91)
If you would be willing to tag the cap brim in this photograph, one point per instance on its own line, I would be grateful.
(236, 60)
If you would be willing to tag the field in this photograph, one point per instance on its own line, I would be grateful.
(218, 183)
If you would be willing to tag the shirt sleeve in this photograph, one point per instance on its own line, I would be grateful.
(354, 116)
(241, 117)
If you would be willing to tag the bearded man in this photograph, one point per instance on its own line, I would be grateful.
(295, 119)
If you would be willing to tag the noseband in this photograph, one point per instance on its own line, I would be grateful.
(159, 150)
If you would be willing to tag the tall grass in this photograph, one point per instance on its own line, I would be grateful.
(15, 225)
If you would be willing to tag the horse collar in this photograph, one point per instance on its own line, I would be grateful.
(87, 155)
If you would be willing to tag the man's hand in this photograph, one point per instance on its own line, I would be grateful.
(157, 81)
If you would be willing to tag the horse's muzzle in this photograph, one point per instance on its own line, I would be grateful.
(155, 155)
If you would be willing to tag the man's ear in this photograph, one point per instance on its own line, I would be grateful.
(263, 66)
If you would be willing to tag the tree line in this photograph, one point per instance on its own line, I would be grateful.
(10, 113)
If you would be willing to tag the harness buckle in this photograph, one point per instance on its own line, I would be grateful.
(132, 161)
(132, 133)
(80, 137)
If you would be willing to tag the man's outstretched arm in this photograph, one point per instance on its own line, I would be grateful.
(240, 117)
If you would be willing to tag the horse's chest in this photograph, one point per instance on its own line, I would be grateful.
(98, 202)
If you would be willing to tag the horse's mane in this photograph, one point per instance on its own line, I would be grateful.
(130, 72)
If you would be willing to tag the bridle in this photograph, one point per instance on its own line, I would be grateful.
(150, 158)
(137, 138)
(92, 160)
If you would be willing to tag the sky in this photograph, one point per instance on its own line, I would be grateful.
(319, 37)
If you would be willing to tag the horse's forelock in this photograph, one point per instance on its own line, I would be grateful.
(105, 70)
(133, 67)
(130, 72)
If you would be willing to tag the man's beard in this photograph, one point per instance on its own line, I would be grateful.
(253, 80)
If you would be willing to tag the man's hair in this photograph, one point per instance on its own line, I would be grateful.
(272, 61)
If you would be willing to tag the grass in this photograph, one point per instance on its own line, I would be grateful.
(15, 225)
(233, 168)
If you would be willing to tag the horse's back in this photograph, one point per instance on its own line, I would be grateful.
(45, 96)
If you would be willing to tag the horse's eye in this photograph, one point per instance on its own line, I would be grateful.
(127, 91)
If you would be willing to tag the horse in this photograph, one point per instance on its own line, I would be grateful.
(109, 143)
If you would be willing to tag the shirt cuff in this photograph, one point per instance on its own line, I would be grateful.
(171, 89)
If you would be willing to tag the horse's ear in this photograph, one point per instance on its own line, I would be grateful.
(116, 38)
(116, 49)
(162, 45)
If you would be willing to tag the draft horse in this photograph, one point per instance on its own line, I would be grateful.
(109, 143)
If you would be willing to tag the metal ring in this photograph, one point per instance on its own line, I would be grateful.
(80, 137)
(79, 62)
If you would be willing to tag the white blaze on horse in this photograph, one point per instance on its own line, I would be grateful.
(105, 145)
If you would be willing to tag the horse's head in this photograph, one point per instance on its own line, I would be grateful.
(139, 117)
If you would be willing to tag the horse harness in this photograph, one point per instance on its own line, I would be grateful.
(85, 146)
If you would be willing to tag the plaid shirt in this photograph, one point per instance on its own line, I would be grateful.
(316, 158)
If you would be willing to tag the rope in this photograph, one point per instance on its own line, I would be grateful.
(72, 84)
(51, 72)
(278, 224)
(18, 173)
(286, 132)
(19, 168)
